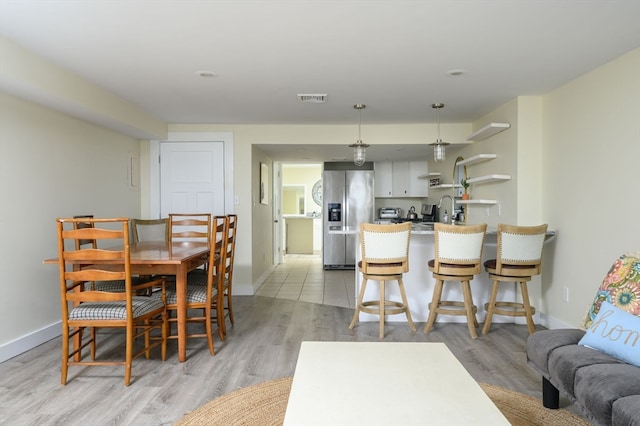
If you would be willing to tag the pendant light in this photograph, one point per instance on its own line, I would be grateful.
(359, 148)
(438, 145)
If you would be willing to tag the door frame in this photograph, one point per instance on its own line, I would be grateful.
(154, 166)
(278, 222)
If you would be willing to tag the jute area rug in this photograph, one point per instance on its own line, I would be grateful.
(264, 404)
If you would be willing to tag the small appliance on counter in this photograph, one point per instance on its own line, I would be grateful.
(429, 213)
(389, 213)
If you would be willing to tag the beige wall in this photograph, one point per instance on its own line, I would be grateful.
(306, 175)
(590, 180)
(51, 165)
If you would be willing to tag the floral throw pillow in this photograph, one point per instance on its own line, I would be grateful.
(621, 288)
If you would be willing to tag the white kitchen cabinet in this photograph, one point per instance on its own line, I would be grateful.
(418, 187)
(401, 179)
(383, 175)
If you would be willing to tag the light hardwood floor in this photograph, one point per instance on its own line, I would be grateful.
(263, 345)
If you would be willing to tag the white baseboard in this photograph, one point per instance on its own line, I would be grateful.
(30, 341)
(553, 323)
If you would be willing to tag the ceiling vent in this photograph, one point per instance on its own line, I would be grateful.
(313, 99)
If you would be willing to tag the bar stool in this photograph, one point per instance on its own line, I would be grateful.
(458, 257)
(385, 257)
(519, 258)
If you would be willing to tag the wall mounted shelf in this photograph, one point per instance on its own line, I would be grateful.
(477, 159)
(429, 175)
(488, 131)
(488, 202)
(488, 179)
(446, 185)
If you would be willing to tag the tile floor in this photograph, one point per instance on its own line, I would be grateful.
(302, 278)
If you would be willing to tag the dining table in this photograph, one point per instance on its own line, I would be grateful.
(168, 258)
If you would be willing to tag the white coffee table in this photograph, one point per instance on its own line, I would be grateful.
(371, 383)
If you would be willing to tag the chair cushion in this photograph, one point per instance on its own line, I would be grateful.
(197, 277)
(621, 288)
(115, 286)
(116, 310)
(491, 264)
(195, 294)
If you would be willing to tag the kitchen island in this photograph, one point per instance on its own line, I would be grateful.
(419, 282)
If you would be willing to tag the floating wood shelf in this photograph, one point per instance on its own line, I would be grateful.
(488, 131)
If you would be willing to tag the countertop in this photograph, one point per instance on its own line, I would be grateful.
(417, 229)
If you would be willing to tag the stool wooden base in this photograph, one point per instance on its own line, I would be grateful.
(382, 306)
(448, 307)
(512, 309)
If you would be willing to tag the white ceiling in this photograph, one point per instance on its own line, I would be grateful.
(392, 55)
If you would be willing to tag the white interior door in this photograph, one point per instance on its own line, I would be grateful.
(192, 178)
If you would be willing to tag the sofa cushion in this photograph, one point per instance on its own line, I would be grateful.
(566, 361)
(616, 333)
(621, 287)
(542, 343)
(599, 386)
(626, 411)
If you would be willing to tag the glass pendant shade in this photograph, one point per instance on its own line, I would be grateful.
(439, 152)
(359, 154)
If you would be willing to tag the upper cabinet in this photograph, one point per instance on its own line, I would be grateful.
(399, 179)
(383, 177)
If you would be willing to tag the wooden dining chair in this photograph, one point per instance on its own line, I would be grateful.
(205, 288)
(227, 272)
(190, 227)
(85, 309)
(150, 230)
(118, 286)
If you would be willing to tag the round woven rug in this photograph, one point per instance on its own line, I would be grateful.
(264, 404)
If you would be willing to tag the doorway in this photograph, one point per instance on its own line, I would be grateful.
(222, 186)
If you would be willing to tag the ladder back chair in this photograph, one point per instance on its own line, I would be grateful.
(86, 309)
(458, 257)
(117, 286)
(190, 227)
(205, 288)
(227, 272)
(518, 259)
(385, 257)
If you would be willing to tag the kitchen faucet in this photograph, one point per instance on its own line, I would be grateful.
(452, 207)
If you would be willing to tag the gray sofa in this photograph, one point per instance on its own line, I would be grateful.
(604, 388)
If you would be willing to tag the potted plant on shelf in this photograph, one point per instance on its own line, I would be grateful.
(465, 185)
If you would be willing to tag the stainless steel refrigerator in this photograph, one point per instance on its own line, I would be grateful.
(348, 199)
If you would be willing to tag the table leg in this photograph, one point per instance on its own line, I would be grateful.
(181, 296)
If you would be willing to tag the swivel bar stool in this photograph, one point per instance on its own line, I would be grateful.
(458, 257)
(519, 258)
(385, 257)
